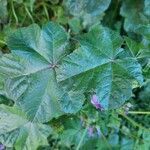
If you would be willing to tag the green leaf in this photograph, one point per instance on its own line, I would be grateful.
(59, 14)
(144, 30)
(77, 7)
(135, 13)
(73, 132)
(146, 70)
(75, 25)
(31, 72)
(146, 137)
(18, 130)
(138, 49)
(87, 10)
(100, 64)
(133, 46)
(144, 93)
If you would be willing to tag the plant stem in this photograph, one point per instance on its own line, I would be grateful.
(14, 13)
(139, 112)
(81, 140)
(29, 14)
(46, 11)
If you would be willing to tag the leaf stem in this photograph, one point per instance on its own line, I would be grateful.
(29, 14)
(139, 112)
(81, 140)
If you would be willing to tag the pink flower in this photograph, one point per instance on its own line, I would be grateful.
(96, 103)
(91, 131)
(2, 147)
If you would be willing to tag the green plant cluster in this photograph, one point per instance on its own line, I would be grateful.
(74, 74)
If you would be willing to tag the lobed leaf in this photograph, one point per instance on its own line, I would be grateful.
(98, 64)
(31, 72)
(18, 130)
(87, 10)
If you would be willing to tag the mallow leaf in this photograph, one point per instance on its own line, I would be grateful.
(18, 130)
(88, 10)
(100, 64)
(136, 13)
(31, 72)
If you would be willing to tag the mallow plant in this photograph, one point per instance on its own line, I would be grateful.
(48, 77)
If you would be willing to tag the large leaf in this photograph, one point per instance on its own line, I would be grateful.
(100, 64)
(19, 130)
(88, 10)
(31, 72)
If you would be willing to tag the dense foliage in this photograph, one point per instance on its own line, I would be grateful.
(75, 74)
